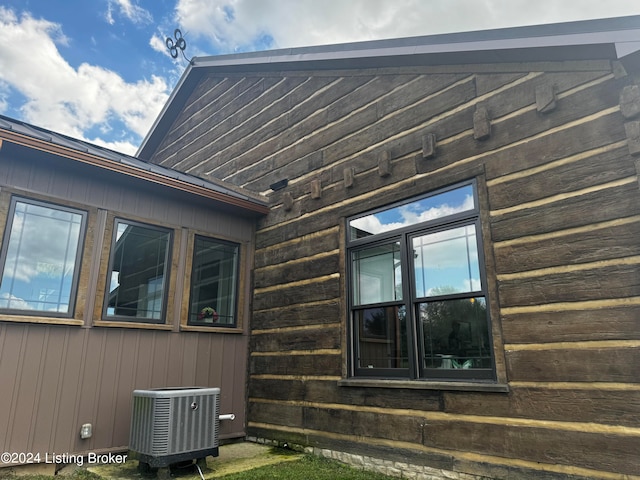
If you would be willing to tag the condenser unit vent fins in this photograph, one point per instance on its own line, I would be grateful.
(176, 424)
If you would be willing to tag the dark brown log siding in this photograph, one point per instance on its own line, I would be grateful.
(562, 218)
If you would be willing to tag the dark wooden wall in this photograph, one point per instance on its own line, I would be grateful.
(551, 145)
(56, 377)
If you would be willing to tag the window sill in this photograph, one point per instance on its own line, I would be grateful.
(40, 320)
(198, 328)
(147, 326)
(424, 385)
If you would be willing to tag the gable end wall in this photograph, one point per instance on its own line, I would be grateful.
(549, 145)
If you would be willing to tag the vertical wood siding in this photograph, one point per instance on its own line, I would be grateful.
(54, 378)
(562, 220)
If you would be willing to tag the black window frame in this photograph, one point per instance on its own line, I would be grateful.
(77, 262)
(166, 281)
(416, 370)
(236, 285)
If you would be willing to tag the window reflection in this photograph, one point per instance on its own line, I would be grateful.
(455, 334)
(418, 211)
(378, 276)
(382, 337)
(446, 262)
(41, 257)
(213, 282)
(139, 267)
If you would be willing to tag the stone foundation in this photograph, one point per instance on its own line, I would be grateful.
(372, 464)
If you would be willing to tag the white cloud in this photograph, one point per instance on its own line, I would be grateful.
(4, 95)
(410, 214)
(67, 100)
(158, 44)
(232, 25)
(129, 10)
(11, 301)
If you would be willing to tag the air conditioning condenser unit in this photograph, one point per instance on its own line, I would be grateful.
(171, 425)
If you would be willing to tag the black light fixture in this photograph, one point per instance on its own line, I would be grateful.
(279, 185)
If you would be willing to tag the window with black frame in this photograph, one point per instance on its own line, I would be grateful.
(418, 295)
(40, 260)
(214, 282)
(138, 273)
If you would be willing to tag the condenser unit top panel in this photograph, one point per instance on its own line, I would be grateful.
(176, 392)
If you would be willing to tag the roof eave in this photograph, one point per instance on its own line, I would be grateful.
(246, 204)
(549, 47)
(176, 94)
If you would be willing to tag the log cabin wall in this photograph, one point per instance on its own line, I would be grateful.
(553, 149)
(55, 377)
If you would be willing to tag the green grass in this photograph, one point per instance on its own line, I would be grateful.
(77, 475)
(309, 467)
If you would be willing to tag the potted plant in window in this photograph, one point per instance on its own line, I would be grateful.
(208, 315)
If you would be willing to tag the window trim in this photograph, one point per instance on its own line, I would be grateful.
(68, 317)
(121, 320)
(416, 373)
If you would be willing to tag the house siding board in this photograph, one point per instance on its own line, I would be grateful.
(324, 392)
(27, 391)
(319, 243)
(582, 285)
(48, 398)
(504, 440)
(584, 209)
(601, 166)
(613, 322)
(311, 268)
(560, 215)
(588, 364)
(606, 406)
(302, 314)
(63, 431)
(233, 398)
(310, 363)
(320, 290)
(322, 338)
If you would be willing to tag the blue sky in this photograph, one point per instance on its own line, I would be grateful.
(99, 70)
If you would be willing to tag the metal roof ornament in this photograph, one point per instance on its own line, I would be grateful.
(179, 44)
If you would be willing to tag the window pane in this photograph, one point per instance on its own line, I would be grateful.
(455, 334)
(213, 282)
(382, 337)
(40, 265)
(377, 274)
(138, 274)
(446, 262)
(412, 213)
